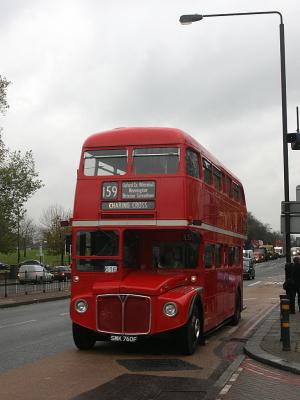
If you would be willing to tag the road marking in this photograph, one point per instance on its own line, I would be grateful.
(270, 373)
(228, 386)
(17, 324)
(234, 377)
(63, 314)
(250, 298)
(255, 283)
(225, 389)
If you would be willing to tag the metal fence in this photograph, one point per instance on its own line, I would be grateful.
(13, 287)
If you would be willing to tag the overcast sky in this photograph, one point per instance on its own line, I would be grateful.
(82, 66)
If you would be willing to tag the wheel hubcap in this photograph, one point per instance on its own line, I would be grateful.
(197, 328)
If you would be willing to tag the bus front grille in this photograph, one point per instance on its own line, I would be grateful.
(125, 314)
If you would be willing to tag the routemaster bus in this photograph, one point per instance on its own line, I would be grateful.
(157, 239)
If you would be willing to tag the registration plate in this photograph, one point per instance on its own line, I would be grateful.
(123, 338)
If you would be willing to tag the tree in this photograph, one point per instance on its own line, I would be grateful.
(18, 182)
(52, 231)
(259, 231)
(3, 87)
(27, 231)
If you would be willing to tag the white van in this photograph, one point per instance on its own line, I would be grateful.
(248, 254)
(34, 273)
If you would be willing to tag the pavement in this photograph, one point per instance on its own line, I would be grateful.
(30, 298)
(264, 345)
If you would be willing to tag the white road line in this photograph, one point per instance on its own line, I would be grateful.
(63, 314)
(255, 283)
(17, 324)
(234, 377)
(225, 389)
(250, 298)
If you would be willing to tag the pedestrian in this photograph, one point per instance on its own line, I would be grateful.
(297, 278)
(289, 285)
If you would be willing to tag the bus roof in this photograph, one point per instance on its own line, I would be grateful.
(147, 136)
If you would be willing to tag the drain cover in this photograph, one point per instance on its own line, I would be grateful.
(145, 387)
(173, 364)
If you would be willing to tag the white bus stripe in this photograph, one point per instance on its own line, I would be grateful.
(156, 222)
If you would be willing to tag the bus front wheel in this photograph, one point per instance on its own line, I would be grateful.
(84, 338)
(191, 333)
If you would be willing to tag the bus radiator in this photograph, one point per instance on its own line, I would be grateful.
(125, 314)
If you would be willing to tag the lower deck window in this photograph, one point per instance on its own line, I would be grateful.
(208, 255)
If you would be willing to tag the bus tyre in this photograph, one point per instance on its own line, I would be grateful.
(84, 338)
(192, 332)
(237, 313)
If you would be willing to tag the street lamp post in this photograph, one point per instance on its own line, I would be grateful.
(188, 19)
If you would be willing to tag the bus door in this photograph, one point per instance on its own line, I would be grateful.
(230, 295)
(226, 283)
(221, 281)
(210, 286)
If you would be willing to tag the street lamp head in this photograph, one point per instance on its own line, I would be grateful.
(189, 19)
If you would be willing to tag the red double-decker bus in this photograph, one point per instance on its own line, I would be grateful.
(157, 237)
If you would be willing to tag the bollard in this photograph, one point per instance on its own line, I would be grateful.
(5, 284)
(26, 292)
(285, 324)
(44, 281)
(282, 297)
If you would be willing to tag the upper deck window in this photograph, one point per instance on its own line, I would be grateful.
(236, 192)
(105, 162)
(207, 171)
(228, 187)
(242, 196)
(217, 179)
(192, 163)
(162, 160)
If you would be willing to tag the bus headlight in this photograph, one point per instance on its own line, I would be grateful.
(170, 309)
(81, 306)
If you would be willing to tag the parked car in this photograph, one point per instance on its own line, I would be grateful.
(61, 273)
(34, 273)
(4, 266)
(248, 268)
(30, 262)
